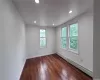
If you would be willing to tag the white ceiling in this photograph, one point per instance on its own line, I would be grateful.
(48, 12)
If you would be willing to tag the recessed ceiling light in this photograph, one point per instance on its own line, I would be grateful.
(53, 24)
(37, 1)
(34, 21)
(70, 11)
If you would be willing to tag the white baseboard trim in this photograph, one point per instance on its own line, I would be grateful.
(88, 72)
(39, 56)
(22, 69)
(96, 79)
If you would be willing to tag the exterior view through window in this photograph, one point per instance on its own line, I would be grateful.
(64, 37)
(42, 38)
(73, 36)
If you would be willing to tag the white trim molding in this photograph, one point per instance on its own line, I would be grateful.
(96, 79)
(88, 72)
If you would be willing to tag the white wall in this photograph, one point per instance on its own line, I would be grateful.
(12, 42)
(33, 42)
(85, 56)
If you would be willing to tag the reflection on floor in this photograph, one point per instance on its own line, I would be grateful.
(51, 67)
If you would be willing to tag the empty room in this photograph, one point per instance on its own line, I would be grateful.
(49, 39)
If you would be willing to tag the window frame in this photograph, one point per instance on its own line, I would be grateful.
(70, 49)
(43, 37)
(63, 37)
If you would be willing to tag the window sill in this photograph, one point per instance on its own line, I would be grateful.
(63, 48)
(74, 51)
(42, 47)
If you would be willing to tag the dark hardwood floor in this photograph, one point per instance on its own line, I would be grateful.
(51, 67)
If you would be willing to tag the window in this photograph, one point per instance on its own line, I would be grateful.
(64, 37)
(42, 38)
(73, 37)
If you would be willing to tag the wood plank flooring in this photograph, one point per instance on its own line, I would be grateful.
(51, 67)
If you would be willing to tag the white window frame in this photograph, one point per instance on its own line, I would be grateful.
(70, 49)
(45, 38)
(63, 37)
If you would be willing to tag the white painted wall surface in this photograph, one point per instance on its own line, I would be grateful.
(12, 42)
(85, 57)
(33, 41)
(1, 44)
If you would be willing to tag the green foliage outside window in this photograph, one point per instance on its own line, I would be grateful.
(42, 38)
(42, 42)
(73, 43)
(63, 41)
(73, 36)
(42, 33)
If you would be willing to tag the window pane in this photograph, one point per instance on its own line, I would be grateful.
(42, 33)
(74, 30)
(63, 32)
(74, 43)
(42, 42)
(63, 43)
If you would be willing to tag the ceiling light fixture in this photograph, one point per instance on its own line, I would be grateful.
(53, 24)
(34, 21)
(37, 1)
(70, 11)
